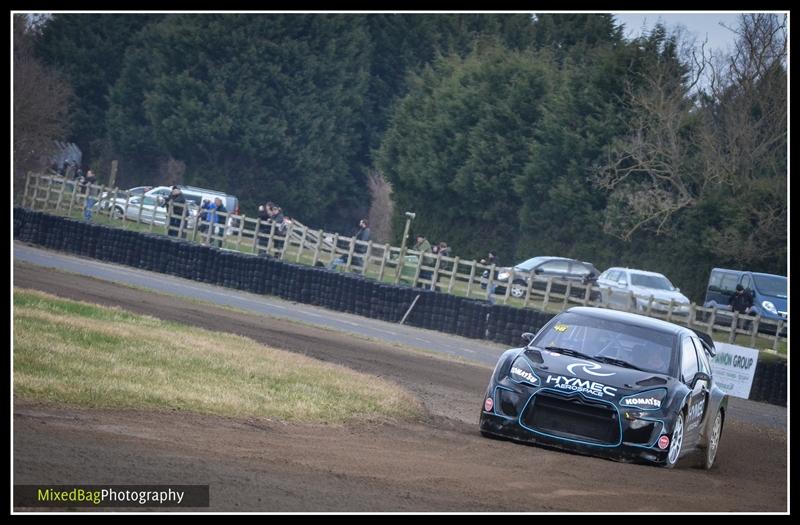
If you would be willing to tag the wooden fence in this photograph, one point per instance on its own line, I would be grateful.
(391, 264)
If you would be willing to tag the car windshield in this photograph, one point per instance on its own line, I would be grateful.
(530, 263)
(772, 285)
(642, 347)
(656, 282)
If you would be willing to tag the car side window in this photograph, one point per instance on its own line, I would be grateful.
(555, 267)
(580, 269)
(689, 366)
(704, 363)
(715, 282)
(622, 278)
(728, 283)
(747, 282)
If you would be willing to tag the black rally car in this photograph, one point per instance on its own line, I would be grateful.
(610, 384)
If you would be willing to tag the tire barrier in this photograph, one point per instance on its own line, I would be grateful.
(343, 292)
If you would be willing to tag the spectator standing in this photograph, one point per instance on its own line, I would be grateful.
(362, 233)
(491, 259)
(218, 219)
(441, 250)
(203, 217)
(276, 215)
(86, 183)
(742, 301)
(263, 227)
(175, 204)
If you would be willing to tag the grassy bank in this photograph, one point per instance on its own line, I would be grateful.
(93, 356)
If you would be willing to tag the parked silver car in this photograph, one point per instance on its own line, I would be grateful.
(640, 290)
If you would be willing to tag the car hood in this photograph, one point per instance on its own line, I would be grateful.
(660, 295)
(592, 379)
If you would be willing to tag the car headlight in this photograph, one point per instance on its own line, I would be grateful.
(648, 400)
(521, 372)
(768, 306)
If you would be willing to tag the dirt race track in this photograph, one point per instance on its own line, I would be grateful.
(440, 463)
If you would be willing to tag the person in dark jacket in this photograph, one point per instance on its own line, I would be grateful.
(218, 219)
(175, 204)
(741, 301)
(362, 233)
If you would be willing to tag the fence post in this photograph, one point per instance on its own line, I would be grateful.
(547, 293)
(631, 301)
(302, 244)
(471, 277)
(317, 247)
(416, 272)
(754, 330)
(712, 321)
(436, 266)
(669, 310)
(650, 305)
(72, 198)
(47, 195)
(566, 295)
(350, 251)
(777, 335)
(528, 290)
(25, 192)
(587, 293)
(509, 285)
(167, 216)
(255, 235)
(239, 236)
(383, 261)
(400, 263)
(366, 260)
(60, 197)
(453, 275)
(692, 313)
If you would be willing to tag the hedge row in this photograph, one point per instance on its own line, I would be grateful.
(342, 292)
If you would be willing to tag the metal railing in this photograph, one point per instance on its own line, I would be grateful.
(299, 244)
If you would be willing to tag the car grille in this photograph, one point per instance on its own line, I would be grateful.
(573, 417)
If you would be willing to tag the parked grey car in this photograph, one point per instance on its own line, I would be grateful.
(640, 290)
(540, 269)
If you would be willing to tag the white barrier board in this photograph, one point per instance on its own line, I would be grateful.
(734, 367)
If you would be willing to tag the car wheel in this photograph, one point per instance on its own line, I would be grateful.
(675, 443)
(119, 213)
(518, 289)
(713, 442)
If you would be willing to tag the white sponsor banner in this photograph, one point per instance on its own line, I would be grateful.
(734, 367)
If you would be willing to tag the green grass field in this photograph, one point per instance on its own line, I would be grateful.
(87, 355)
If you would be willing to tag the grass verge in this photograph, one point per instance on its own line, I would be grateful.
(88, 355)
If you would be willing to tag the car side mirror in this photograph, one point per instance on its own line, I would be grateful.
(537, 271)
(528, 337)
(700, 376)
(136, 200)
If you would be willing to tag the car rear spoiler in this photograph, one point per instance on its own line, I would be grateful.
(707, 341)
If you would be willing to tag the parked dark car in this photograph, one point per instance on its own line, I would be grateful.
(540, 269)
(610, 384)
